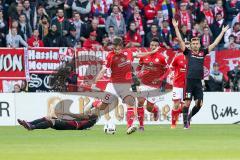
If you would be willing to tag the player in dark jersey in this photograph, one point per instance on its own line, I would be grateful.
(195, 60)
(77, 122)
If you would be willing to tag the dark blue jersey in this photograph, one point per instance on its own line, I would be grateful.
(195, 62)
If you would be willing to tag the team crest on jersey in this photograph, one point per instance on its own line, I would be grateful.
(156, 60)
(125, 53)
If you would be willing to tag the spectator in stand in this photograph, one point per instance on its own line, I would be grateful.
(41, 13)
(236, 19)
(24, 86)
(218, 8)
(184, 16)
(111, 33)
(28, 12)
(133, 38)
(153, 33)
(61, 22)
(186, 35)
(15, 10)
(216, 80)
(78, 24)
(94, 26)
(117, 21)
(101, 7)
(14, 40)
(236, 32)
(166, 34)
(234, 78)
(43, 27)
(196, 30)
(91, 42)
(24, 28)
(3, 30)
(52, 6)
(115, 3)
(232, 9)
(82, 6)
(208, 13)
(129, 10)
(216, 29)
(53, 38)
(231, 44)
(206, 38)
(16, 88)
(71, 40)
(139, 21)
(159, 20)
(151, 11)
(107, 44)
(34, 41)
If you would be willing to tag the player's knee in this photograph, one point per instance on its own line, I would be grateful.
(129, 100)
(103, 106)
(199, 103)
(176, 104)
(141, 102)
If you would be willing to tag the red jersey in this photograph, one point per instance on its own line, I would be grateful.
(121, 67)
(179, 67)
(152, 68)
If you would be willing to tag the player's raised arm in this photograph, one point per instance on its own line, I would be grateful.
(181, 42)
(218, 39)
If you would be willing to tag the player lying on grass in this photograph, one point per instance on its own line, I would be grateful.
(78, 122)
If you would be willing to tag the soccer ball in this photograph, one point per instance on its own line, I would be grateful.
(109, 128)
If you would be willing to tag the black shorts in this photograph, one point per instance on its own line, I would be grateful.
(74, 124)
(194, 89)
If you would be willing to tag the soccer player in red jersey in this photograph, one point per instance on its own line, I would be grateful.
(152, 70)
(120, 65)
(179, 68)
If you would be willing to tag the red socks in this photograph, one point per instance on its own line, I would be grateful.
(130, 117)
(96, 103)
(140, 112)
(175, 114)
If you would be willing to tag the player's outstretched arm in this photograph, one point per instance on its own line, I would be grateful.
(140, 54)
(100, 75)
(218, 39)
(181, 42)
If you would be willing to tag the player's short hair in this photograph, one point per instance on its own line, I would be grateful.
(117, 41)
(195, 39)
(155, 39)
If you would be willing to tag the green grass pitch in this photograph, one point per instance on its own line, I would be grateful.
(201, 142)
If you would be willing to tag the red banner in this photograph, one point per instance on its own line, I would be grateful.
(12, 64)
(48, 60)
(227, 60)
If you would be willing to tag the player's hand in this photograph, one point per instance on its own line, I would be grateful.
(174, 22)
(225, 28)
(155, 50)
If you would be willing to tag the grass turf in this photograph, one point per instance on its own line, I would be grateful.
(201, 142)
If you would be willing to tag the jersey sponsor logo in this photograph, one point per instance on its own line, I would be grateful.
(124, 63)
(195, 56)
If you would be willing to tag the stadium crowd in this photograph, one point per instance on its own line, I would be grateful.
(94, 23)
